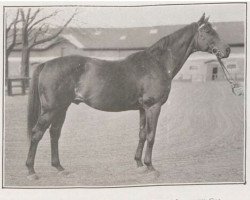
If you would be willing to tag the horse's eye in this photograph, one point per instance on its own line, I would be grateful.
(207, 30)
(212, 43)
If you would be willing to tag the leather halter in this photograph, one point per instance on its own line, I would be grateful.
(211, 48)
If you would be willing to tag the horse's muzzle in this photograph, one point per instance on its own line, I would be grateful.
(228, 51)
(220, 54)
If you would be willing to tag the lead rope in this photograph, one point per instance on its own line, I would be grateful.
(236, 88)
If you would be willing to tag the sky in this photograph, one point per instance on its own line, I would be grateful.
(122, 17)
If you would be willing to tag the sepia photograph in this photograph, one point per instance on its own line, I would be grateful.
(124, 95)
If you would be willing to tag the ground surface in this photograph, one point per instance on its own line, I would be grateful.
(200, 139)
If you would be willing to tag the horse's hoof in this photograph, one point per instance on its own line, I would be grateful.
(154, 173)
(141, 169)
(32, 177)
(139, 163)
(64, 173)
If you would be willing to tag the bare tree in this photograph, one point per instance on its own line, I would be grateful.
(34, 32)
(10, 41)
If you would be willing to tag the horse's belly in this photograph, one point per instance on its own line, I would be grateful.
(108, 88)
(110, 97)
(112, 102)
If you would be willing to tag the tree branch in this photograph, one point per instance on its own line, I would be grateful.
(15, 21)
(11, 24)
(22, 15)
(50, 45)
(54, 35)
(33, 17)
(36, 33)
(28, 15)
(13, 43)
(40, 20)
(23, 18)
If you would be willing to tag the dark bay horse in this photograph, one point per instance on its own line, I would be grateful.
(142, 81)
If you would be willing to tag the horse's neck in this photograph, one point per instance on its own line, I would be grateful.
(176, 49)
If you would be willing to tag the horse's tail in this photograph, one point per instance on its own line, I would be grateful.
(34, 104)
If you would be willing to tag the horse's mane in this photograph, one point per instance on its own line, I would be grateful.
(158, 48)
(161, 45)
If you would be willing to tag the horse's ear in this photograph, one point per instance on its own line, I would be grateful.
(201, 20)
(206, 20)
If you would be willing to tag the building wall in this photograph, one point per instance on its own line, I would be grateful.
(199, 67)
(235, 67)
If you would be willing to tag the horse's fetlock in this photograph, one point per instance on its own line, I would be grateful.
(147, 163)
(55, 163)
(137, 158)
(28, 164)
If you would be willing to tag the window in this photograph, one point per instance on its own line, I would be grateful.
(97, 33)
(153, 31)
(123, 37)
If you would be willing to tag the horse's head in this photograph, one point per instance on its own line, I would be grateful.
(208, 40)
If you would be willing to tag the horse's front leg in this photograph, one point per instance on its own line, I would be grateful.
(152, 115)
(142, 138)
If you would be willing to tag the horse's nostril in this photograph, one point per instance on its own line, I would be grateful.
(228, 50)
(214, 50)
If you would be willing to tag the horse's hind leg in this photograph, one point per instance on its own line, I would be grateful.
(142, 138)
(43, 123)
(55, 132)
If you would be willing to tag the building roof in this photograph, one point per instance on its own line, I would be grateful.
(136, 38)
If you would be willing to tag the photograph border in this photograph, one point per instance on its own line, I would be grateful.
(125, 186)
